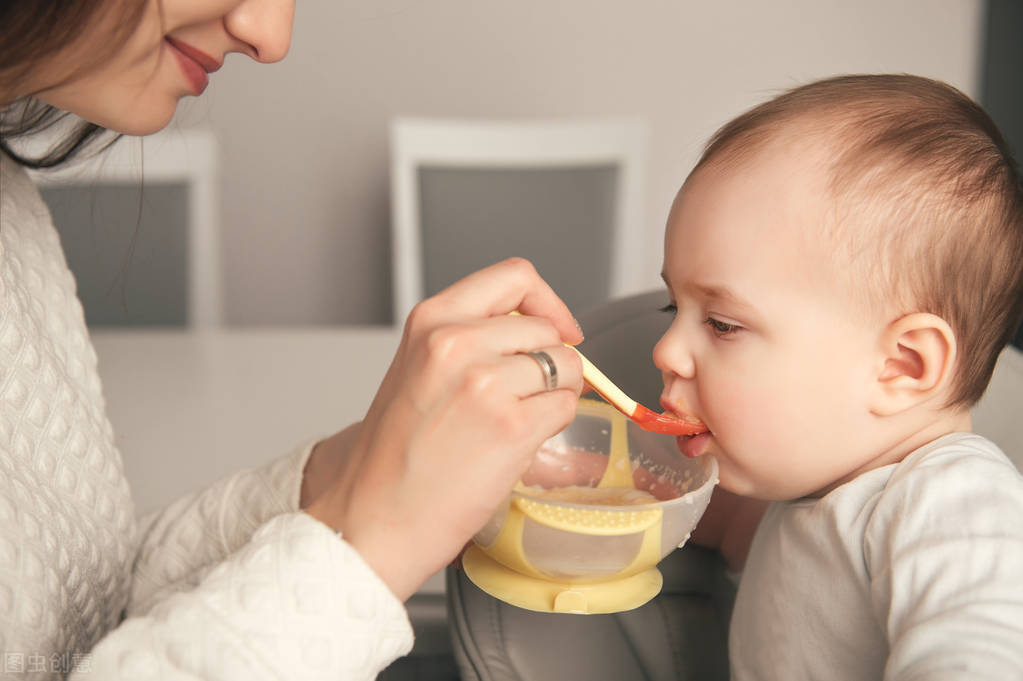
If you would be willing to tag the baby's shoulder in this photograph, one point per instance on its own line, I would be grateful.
(955, 459)
(960, 484)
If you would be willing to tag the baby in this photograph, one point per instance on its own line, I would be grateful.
(845, 264)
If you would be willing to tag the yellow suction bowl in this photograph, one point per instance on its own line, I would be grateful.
(543, 595)
(551, 555)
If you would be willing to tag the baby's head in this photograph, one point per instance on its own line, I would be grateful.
(846, 262)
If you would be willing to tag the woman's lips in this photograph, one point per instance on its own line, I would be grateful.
(195, 64)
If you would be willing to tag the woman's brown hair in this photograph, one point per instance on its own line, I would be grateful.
(31, 32)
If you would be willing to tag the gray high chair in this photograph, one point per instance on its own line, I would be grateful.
(683, 632)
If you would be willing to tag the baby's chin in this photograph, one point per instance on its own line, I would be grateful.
(763, 490)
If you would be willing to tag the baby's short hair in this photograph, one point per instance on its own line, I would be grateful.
(933, 195)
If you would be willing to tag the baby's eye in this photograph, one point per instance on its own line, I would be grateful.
(670, 307)
(720, 328)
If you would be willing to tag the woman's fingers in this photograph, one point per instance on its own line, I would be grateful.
(550, 412)
(456, 421)
(445, 357)
(522, 376)
(501, 335)
(526, 376)
(497, 290)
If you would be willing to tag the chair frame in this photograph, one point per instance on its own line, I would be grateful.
(188, 156)
(419, 142)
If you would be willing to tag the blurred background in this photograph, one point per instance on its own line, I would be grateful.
(303, 226)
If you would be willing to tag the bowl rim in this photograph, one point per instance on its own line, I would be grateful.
(711, 481)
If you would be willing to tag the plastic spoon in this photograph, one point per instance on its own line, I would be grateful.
(645, 418)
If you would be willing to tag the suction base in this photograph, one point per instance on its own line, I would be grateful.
(614, 595)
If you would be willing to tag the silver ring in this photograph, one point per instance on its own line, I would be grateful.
(548, 367)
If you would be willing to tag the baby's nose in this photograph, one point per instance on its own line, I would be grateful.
(673, 357)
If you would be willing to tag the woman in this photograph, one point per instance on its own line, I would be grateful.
(249, 578)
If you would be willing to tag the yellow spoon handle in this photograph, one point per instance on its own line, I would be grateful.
(647, 419)
(603, 385)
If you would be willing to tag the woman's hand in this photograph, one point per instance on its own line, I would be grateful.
(324, 463)
(454, 425)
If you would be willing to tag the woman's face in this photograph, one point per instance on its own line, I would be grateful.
(171, 54)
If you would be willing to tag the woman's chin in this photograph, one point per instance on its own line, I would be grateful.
(147, 126)
(139, 122)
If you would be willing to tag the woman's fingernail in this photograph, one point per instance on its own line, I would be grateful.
(577, 325)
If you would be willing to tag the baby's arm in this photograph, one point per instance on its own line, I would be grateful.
(728, 525)
(944, 549)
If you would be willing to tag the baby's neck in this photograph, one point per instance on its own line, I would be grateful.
(907, 440)
(944, 422)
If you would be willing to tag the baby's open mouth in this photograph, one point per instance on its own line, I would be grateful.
(694, 445)
(677, 411)
(691, 444)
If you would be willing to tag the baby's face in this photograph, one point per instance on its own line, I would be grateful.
(764, 346)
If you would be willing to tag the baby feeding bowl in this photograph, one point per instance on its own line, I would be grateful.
(603, 502)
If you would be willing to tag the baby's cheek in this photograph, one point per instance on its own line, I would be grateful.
(751, 422)
(742, 406)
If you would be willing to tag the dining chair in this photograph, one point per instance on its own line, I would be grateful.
(566, 194)
(682, 633)
(139, 224)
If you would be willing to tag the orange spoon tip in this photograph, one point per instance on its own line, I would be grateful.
(666, 423)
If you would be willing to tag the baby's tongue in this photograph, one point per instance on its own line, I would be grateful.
(694, 445)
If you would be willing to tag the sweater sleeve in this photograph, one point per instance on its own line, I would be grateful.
(295, 602)
(944, 548)
(180, 543)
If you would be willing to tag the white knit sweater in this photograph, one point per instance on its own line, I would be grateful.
(232, 582)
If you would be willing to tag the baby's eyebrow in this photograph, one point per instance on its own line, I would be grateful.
(722, 293)
(712, 292)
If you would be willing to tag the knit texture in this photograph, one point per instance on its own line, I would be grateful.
(229, 582)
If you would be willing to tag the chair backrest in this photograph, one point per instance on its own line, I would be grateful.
(997, 416)
(149, 205)
(568, 195)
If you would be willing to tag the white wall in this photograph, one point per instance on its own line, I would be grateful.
(304, 142)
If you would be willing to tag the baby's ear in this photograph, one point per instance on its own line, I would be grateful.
(917, 355)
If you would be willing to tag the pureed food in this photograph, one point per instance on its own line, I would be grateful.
(571, 474)
(593, 496)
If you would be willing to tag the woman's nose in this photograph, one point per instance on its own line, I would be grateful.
(673, 356)
(264, 26)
